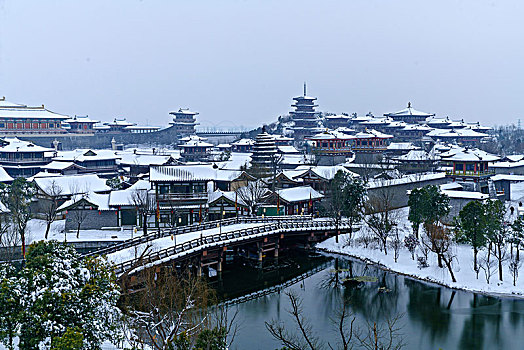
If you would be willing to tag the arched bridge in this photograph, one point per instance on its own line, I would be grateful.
(207, 244)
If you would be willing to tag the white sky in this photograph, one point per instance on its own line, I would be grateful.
(241, 62)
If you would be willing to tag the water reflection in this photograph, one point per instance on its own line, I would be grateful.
(434, 317)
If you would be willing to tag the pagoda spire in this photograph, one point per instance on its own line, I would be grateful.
(304, 88)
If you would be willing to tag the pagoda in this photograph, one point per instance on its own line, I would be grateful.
(264, 157)
(304, 116)
(184, 121)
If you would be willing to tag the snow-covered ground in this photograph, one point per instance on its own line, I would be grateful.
(36, 232)
(462, 265)
(166, 242)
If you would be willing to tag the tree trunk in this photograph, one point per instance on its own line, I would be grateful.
(439, 258)
(518, 250)
(144, 223)
(48, 227)
(500, 262)
(385, 243)
(450, 269)
(475, 252)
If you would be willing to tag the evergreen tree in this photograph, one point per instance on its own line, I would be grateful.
(61, 299)
(517, 234)
(471, 226)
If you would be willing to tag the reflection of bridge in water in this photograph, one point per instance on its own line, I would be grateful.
(276, 288)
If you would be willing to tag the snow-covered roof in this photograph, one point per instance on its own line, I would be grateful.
(507, 177)
(4, 103)
(338, 116)
(72, 184)
(455, 133)
(125, 197)
(55, 165)
(465, 195)
(324, 171)
(288, 149)
(417, 155)
(405, 180)
(79, 119)
(192, 137)
(13, 144)
(196, 143)
(472, 155)
(298, 194)
(120, 122)
(330, 135)
(409, 111)
(507, 164)
(4, 176)
(230, 195)
(401, 146)
(142, 159)
(371, 133)
(243, 142)
(99, 201)
(10, 110)
(184, 111)
(82, 155)
(205, 172)
(451, 186)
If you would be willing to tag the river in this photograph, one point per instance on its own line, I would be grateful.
(432, 317)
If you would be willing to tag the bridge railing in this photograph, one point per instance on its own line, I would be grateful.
(241, 234)
(191, 228)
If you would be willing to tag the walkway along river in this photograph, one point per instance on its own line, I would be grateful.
(433, 317)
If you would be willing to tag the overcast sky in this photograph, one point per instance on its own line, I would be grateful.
(240, 63)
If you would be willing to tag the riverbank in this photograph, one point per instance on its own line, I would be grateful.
(405, 265)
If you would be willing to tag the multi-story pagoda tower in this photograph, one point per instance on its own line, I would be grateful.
(304, 116)
(184, 122)
(264, 157)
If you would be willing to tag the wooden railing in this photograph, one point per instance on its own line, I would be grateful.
(220, 238)
(190, 228)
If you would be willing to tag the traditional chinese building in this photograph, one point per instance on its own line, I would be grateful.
(331, 147)
(471, 169)
(195, 149)
(22, 158)
(119, 125)
(369, 145)
(409, 115)
(304, 116)
(264, 157)
(81, 125)
(19, 119)
(184, 121)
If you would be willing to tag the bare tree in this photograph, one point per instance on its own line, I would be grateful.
(144, 204)
(381, 218)
(487, 265)
(174, 312)
(514, 266)
(252, 194)
(50, 204)
(78, 214)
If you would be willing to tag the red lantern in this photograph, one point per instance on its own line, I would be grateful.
(99, 212)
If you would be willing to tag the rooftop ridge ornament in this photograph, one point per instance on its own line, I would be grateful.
(409, 104)
(304, 89)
